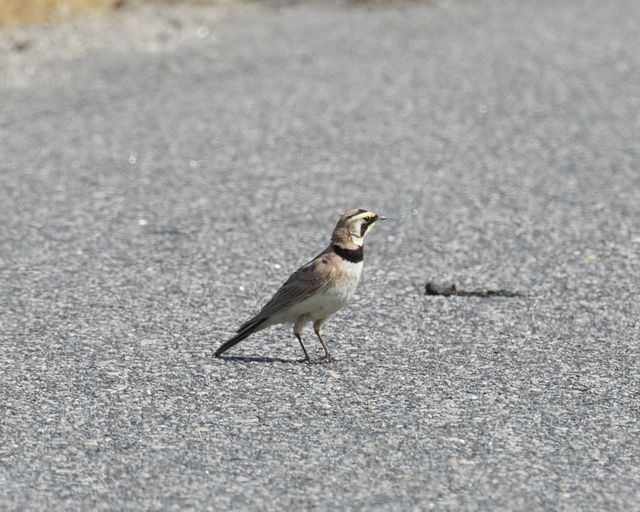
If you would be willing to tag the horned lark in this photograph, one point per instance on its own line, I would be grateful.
(318, 288)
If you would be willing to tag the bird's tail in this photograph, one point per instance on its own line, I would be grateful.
(245, 330)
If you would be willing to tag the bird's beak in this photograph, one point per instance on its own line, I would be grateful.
(381, 218)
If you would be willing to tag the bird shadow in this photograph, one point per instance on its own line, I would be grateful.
(257, 359)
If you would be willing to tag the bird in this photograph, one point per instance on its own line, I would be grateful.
(318, 288)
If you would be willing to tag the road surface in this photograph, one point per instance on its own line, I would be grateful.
(155, 194)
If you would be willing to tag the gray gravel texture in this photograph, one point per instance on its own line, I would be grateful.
(154, 198)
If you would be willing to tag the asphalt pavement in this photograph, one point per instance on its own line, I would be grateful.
(154, 195)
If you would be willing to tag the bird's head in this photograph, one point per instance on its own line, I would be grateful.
(353, 226)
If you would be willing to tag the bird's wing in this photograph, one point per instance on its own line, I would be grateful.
(305, 281)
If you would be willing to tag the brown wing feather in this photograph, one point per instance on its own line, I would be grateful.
(304, 282)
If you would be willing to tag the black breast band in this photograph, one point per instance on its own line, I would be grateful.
(352, 255)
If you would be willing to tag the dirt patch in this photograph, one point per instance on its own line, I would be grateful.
(23, 12)
(28, 12)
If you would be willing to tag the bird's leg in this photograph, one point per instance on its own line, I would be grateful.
(317, 325)
(306, 356)
(327, 355)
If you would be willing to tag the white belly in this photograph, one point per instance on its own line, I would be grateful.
(325, 304)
